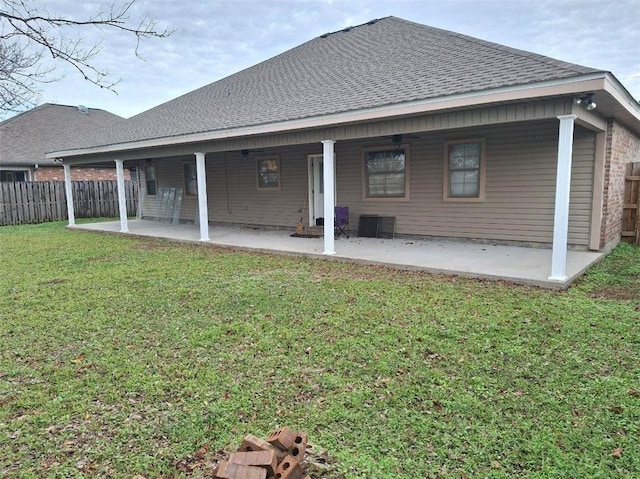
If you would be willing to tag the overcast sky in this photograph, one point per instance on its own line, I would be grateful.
(213, 38)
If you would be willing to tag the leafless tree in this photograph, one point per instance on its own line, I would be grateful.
(31, 36)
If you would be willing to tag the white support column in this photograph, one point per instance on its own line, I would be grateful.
(203, 213)
(329, 195)
(122, 199)
(69, 192)
(563, 185)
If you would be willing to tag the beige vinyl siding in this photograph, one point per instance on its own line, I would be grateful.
(148, 204)
(234, 196)
(519, 198)
(169, 174)
(520, 185)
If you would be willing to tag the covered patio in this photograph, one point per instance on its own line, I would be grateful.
(519, 264)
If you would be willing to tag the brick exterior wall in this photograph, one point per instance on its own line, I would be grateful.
(78, 173)
(622, 147)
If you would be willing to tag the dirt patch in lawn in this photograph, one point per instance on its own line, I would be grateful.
(621, 292)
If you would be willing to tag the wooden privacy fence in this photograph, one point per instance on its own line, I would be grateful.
(631, 212)
(24, 202)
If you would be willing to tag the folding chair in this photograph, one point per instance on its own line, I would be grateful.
(341, 222)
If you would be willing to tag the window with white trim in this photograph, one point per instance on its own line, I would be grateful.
(464, 170)
(385, 173)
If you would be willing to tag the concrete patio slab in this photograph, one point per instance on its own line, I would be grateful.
(518, 264)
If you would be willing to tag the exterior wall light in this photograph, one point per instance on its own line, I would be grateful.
(587, 101)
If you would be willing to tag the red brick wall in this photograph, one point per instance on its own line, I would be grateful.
(56, 173)
(623, 147)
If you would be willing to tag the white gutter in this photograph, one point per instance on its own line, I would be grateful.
(583, 83)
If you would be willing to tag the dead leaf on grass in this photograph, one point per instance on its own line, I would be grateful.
(87, 467)
(617, 452)
(48, 463)
(200, 453)
(54, 281)
(200, 460)
(78, 359)
(428, 354)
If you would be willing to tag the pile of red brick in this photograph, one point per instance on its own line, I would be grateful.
(281, 456)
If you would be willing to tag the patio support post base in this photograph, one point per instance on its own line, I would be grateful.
(563, 186)
(68, 189)
(328, 169)
(202, 196)
(122, 199)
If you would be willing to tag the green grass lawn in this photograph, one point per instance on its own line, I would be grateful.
(122, 357)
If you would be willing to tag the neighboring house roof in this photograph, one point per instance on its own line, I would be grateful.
(25, 138)
(384, 62)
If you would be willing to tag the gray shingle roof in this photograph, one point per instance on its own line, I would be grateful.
(383, 62)
(25, 138)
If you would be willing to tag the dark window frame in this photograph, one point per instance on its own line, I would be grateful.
(151, 184)
(190, 177)
(370, 155)
(268, 173)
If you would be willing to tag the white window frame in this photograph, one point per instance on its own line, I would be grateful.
(446, 196)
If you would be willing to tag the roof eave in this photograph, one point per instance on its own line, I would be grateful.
(599, 81)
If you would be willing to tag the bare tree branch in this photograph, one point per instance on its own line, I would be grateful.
(29, 35)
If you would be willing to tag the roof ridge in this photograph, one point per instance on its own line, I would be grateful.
(568, 66)
(76, 107)
(22, 114)
(49, 105)
(527, 54)
(348, 29)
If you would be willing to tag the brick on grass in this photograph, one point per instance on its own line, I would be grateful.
(284, 438)
(289, 469)
(226, 470)
(254, 443)
(299, 447)
(264, 459)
